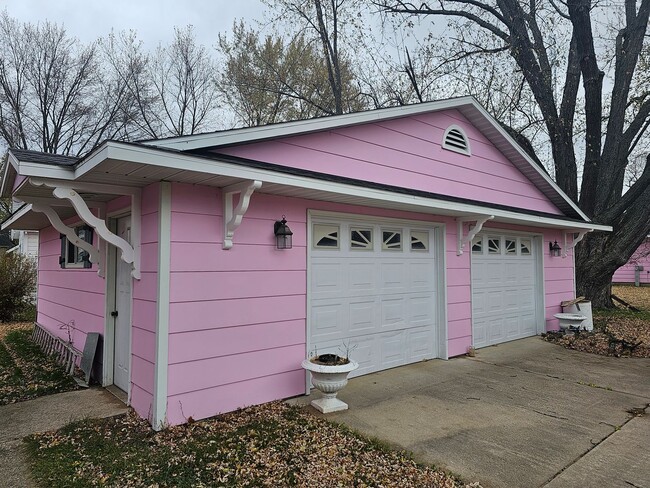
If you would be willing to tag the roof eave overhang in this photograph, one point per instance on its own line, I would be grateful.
(163, 158)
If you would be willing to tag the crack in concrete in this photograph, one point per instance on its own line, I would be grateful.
(594, 445)
(550, 415)
(645, 397)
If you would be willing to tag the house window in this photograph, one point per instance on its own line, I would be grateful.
(71, 255)
(524, 245)
(511, 246)
(494, 245)
(419, 240)
(326, 236)
(360, 239)
(391, 240)
(455, 140)
(477, 245)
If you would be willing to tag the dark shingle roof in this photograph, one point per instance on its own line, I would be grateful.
(44, 158)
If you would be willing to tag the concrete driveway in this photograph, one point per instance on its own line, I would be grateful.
(525, 413)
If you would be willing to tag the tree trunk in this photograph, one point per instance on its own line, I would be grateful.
(593, 273)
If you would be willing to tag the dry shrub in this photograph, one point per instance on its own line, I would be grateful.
(17, 284)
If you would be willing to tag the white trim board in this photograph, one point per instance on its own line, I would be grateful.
(161, 366)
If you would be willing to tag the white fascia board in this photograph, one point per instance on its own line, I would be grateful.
(181, 161)
(15, 216)
(12, 163)
(45, 171)
(258, 133)
(524, 155)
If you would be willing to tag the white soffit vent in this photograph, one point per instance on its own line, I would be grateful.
(456, 140)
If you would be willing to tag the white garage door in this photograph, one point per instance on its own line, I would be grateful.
(504, 289)
(372, 292)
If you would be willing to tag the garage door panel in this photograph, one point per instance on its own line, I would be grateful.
(393, 313)
(328, 321)
(393, 350)
(393, 278)
(421, 276)
(363, 317)
(503, 294)
(421, 344)
(326, 279)
(379, 302)
(362, 277)
(420, 310)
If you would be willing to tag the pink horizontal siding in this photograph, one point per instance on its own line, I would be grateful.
(407, 152)
(67, 297)
(627, 273)
(143, 307)
(78, 297)
(238, 316)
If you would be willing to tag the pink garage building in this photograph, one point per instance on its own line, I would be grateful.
(637, 268)
(418, 232)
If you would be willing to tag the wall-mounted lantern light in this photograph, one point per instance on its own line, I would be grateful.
(282, 234)
(554, 249)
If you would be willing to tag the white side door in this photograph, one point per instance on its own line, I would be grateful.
(121, 377)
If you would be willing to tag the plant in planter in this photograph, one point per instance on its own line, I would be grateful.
(329, 374)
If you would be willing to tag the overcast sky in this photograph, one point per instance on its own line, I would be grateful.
(154, 20)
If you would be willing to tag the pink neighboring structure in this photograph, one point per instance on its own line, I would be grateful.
(215, 329)
(627, 272)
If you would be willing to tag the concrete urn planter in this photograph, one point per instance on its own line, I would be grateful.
(329, 379)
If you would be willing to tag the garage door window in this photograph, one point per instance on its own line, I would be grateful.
(360, 239)
(391, 240)
(494, 245)
(511, 246)
(524, 246)
(326, 236)
(419, 240)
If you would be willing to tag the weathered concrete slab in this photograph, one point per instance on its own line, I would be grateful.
(516, 415)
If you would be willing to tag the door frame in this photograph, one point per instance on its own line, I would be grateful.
(109, 321)
(537, 239)
(439, 255)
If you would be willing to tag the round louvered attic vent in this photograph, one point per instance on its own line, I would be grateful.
(456, 140)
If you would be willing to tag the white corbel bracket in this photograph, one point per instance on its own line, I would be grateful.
(64, 190)
(233, 216)
(574, 243)
(57, 223)
(480, 221)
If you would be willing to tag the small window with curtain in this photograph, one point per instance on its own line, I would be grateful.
(72, 256)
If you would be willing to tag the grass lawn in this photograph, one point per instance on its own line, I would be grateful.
(617, 332)
(268, 445)
(25, 372)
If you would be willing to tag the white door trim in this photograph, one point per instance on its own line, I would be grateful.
(439, 241)
(108, 349)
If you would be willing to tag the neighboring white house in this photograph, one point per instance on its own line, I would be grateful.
(27, 242)
(27, 239)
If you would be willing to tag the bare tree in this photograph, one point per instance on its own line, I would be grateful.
(323, 22)
(609, 133)
(173, 91)
(54, 94)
